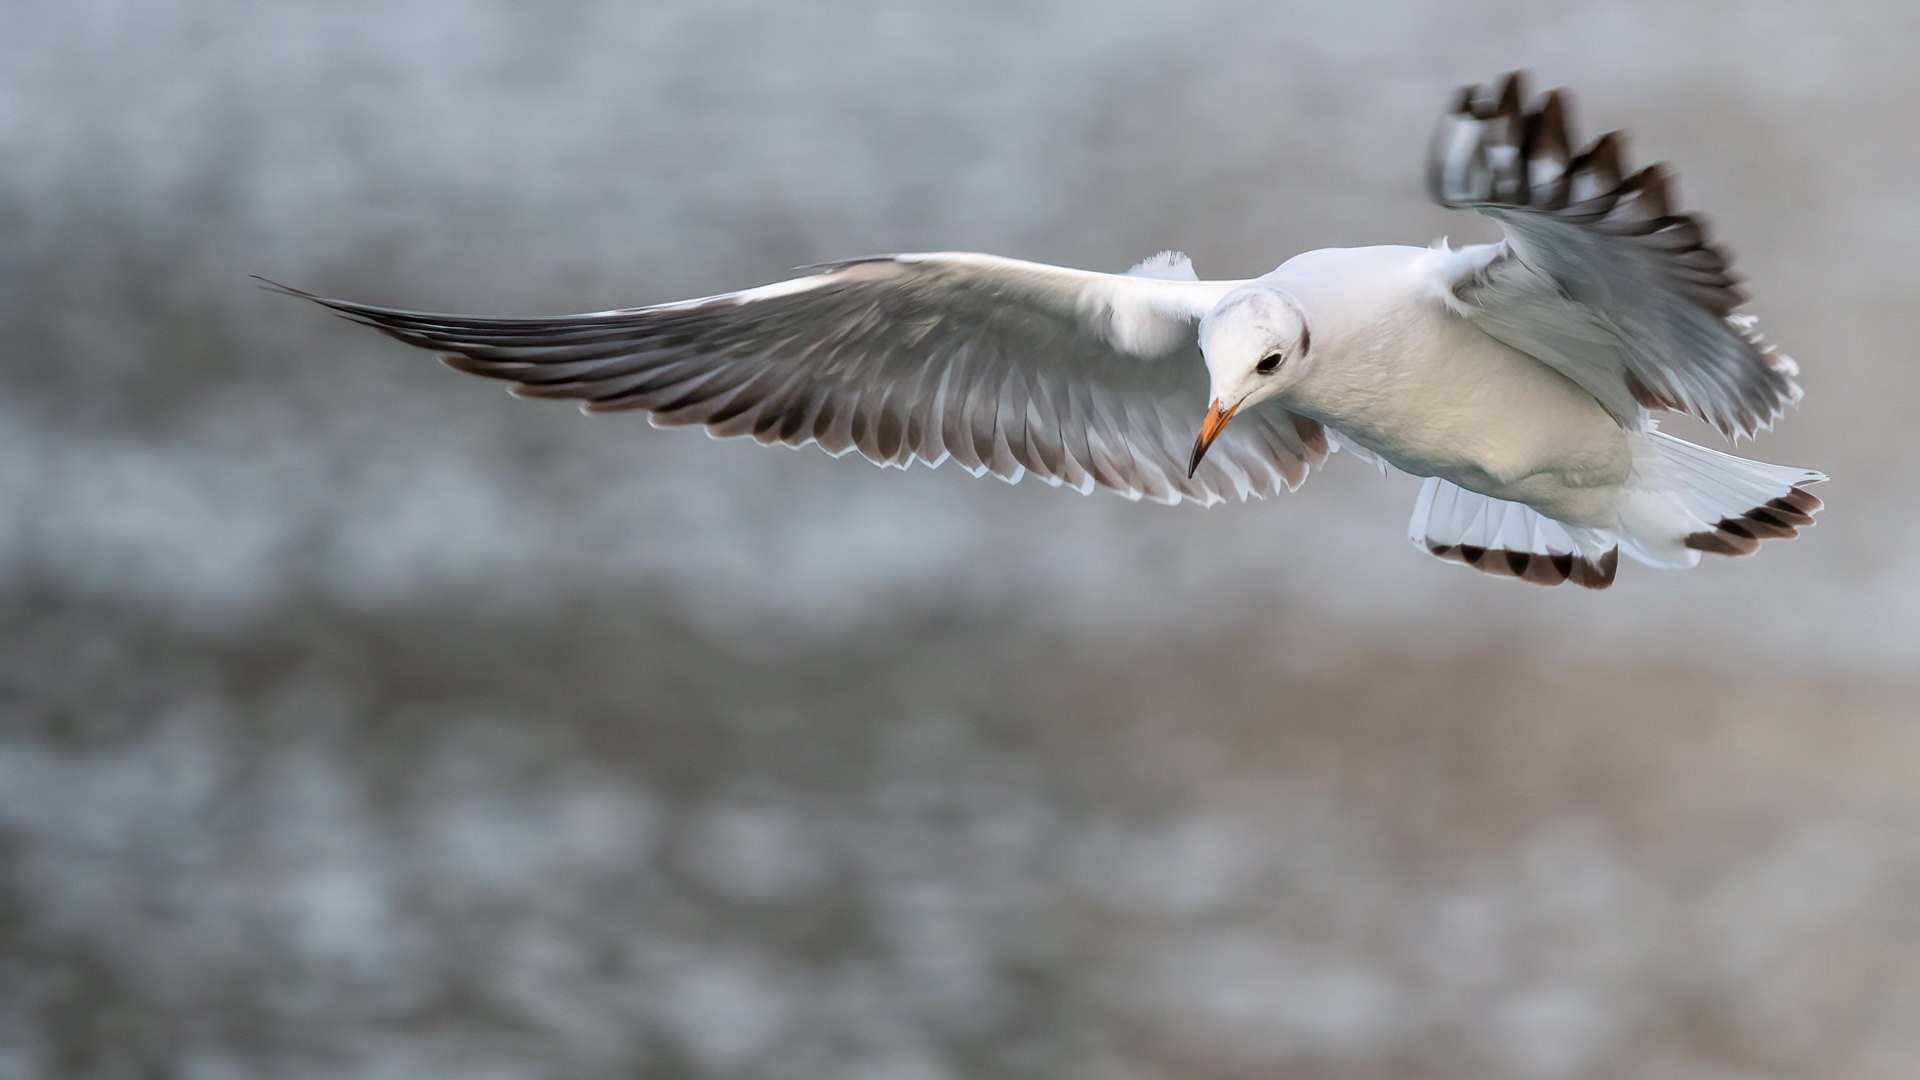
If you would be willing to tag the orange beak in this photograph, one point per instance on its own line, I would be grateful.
(1210, 429)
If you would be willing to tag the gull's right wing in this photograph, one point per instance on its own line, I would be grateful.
(1006, 367)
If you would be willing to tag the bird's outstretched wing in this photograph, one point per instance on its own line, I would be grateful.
(1598, 276)
(1006, 367)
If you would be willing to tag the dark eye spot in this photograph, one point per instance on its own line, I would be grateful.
(1267, 365)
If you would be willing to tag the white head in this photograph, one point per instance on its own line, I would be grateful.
(1254, 342)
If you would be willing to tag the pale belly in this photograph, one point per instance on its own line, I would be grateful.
(1472, 411)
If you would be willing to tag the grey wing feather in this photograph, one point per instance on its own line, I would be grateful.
(1598, 276)
(1005, 367)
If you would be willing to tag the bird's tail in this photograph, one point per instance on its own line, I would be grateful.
(1680, 500)
(1684, 499)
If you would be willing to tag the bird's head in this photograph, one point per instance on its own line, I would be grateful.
(1254, 342)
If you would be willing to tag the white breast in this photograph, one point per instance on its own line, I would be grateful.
(1394, 370)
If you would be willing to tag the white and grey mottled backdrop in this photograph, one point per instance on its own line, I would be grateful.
(357, 720)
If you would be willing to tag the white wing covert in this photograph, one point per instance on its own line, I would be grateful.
(1006, 367)
(1597, 276)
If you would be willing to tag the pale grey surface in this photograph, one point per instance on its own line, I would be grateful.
(356, 720)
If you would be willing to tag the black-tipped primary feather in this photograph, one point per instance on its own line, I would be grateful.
(1600, 276)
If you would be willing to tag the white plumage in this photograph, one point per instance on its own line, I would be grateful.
(1519, 377)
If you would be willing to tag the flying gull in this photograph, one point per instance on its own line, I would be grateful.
(1520, 378)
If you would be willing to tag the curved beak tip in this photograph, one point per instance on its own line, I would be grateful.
(1210, 429)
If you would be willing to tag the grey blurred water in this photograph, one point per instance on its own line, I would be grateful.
(357, 720)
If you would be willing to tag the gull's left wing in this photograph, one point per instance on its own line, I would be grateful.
(1004, 366)
(1598, 276)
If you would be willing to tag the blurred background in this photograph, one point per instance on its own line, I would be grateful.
(357, 720)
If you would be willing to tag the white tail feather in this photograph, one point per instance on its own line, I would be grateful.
(1684, 499)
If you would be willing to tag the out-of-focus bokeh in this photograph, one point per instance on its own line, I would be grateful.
(358, 720)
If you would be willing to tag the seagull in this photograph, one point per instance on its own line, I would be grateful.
(1520, 378)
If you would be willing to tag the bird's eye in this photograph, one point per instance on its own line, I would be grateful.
(1267, 365)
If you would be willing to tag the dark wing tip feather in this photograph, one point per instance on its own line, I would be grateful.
(1497, 152)
(269, 285)
(1506, 155)
(1532, 567)
(1777, 519)
(363, 314)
